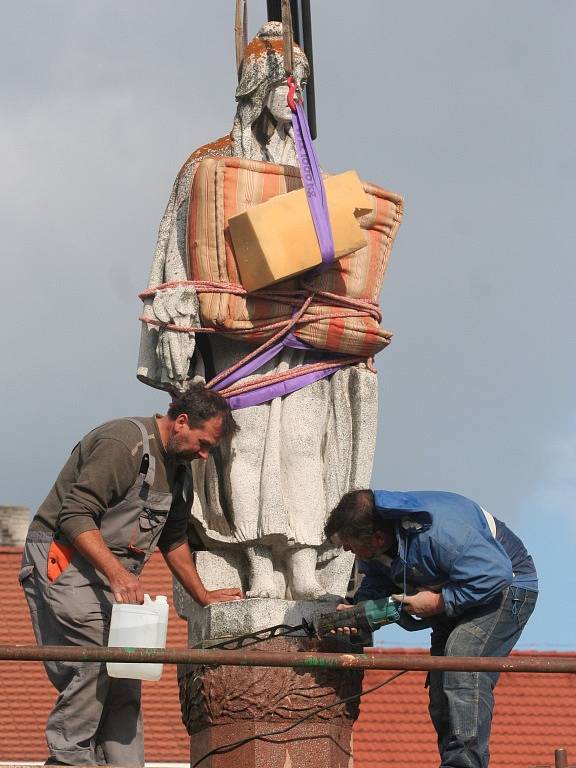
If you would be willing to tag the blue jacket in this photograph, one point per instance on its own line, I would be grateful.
(444, 543)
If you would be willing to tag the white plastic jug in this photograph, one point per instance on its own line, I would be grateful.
(138, 626)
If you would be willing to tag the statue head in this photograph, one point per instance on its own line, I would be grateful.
(262, 90)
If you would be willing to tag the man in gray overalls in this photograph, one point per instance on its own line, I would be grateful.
(125, 490)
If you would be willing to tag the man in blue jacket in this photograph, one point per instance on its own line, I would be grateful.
(447, 560)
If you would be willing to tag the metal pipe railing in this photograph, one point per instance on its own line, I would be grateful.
(560, 760)
(257, 658)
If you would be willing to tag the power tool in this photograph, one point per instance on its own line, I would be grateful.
(365, 617)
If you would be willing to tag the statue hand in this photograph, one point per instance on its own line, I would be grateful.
(176, 306)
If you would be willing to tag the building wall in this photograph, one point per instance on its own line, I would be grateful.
(14, 522)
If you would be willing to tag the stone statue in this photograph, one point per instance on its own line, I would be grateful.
(266, 494)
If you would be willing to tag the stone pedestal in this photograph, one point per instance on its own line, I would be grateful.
(224, 705)
(308, 746)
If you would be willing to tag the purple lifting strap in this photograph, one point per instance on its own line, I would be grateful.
(258, 361)
(316, 196)
(313, 184)
(278, 389)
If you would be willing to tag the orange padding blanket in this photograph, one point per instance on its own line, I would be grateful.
(341, 313)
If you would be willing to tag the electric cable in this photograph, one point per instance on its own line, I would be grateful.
(224, 748)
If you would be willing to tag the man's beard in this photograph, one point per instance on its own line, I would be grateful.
(174, 451)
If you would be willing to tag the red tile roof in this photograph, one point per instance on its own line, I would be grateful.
(534, 715)
(534, 712)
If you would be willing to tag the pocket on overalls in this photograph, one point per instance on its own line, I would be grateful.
(25, 572)
(147, 530)
(59, 558)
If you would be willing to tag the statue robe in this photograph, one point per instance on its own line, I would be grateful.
(294, 457)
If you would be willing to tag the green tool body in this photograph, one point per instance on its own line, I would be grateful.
(369, 616)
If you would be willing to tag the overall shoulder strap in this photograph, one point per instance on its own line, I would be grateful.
(148, 464)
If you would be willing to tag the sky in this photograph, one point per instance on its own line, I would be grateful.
(467, 109)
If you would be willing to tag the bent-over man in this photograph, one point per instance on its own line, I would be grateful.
(448, 560)
(125, 490)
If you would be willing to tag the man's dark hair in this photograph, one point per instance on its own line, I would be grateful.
(354, 517)
(201, 404)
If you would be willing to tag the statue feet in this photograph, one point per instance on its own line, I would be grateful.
(301, 566)
(261, 573)
(262, 590)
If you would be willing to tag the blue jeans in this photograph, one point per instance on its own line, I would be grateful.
(462, 703)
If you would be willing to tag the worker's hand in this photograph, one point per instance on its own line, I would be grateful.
(221, 595)
(344, 630)
(422, 604)
(126, 587)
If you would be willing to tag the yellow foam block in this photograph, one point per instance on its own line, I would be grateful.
(277, 240)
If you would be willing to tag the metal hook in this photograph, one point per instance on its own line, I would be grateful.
(293, 92)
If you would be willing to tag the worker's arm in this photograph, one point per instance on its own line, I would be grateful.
(478, 570)
(124, 585)
(423, 604)
(181, 563)
(105, 470)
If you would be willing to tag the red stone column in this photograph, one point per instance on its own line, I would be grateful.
(225, 705)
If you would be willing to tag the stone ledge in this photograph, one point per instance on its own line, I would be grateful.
(239, 617)
(222, 568)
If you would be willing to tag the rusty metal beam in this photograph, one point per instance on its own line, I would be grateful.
(257, 658)
(302, 25)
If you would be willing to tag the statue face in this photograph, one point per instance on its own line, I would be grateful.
(277, 102)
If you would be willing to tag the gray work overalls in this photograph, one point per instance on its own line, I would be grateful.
(96, 719)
